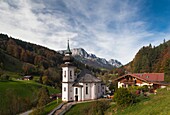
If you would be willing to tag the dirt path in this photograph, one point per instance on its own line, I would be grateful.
(26, 113)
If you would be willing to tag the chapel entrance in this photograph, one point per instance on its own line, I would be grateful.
(76, 98)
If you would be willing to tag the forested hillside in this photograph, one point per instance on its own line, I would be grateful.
(152, 59)
(24, 58)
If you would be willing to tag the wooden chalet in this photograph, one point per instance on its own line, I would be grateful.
(155, 80)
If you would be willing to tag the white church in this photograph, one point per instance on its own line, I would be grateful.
(83, 86)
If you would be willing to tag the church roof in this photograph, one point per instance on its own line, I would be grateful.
(86, 76)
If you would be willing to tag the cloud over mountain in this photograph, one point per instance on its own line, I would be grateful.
(111, 29)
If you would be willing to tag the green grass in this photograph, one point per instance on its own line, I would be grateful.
(50, 106)
(158, 104)
(77, 109)
(11, 90)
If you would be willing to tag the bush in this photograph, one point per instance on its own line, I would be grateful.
(4, 77)
(99, 107)
(123, 97)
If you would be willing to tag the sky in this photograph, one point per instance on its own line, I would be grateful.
(111, 29)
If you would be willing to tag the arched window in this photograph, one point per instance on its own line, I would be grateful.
(86, 90)
(76, 90)
(64, 73)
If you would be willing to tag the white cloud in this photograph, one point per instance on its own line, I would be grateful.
(110, 29)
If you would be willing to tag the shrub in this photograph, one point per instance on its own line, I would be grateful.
(99, 107)
(4, 77)
(123, 97)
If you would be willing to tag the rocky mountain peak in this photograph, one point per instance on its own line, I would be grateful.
(91, 59)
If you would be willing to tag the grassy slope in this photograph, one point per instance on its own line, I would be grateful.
(50, 106)
(23, 89)
(158, 105)
(77, 109)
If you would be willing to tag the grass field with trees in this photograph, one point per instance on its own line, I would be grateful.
(158, 104)
(18, 96)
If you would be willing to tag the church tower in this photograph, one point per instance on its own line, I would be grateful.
(68, 76)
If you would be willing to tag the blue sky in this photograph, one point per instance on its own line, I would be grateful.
(112, 29)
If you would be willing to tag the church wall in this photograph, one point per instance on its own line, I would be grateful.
(87, 94)
(94, 94)
(71, 92)
(64, 91)
(79, 93)
(68, 74)
(99, 90)
(67, 92)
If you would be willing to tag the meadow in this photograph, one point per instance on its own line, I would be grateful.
(158, 104)
(18, 95)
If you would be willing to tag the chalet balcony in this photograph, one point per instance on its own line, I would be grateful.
(131, 82)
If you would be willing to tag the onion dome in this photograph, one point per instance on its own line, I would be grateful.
(68, 59)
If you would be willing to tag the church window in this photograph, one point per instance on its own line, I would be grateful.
(64, 73)
(86, 90)
(70, 74)
(76, 91)
(64, 88)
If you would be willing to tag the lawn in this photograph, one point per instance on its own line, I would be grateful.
(158, 104)
(13, 92)
(78, 108)
(50, 106)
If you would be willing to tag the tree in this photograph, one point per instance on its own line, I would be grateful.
(45, 80)
(4, 77)
(167, 71)
(123, 97)
(43, 97)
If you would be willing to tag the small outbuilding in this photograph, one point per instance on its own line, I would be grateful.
(28, 77)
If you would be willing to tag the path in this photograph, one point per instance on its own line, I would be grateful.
(26, 113)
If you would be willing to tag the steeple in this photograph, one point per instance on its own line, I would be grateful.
(68, 51)
(68, 58)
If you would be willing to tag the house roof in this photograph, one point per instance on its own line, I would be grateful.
(28, 76)
(86, 76)
(147, 77)
(151, 76)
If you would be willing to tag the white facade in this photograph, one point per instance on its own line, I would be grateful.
(81, 91)
(68, 78)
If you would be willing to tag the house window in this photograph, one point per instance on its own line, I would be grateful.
(64, 88)
(86, 90)
(70, 74)
(76, 91)
(98, 89)
(64, 73)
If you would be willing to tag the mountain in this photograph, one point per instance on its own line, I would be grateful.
(152, 59)
(92, 60)
(23, 58)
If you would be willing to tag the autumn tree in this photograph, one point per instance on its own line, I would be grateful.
(167, 71)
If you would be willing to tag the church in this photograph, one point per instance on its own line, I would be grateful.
(80, 87)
